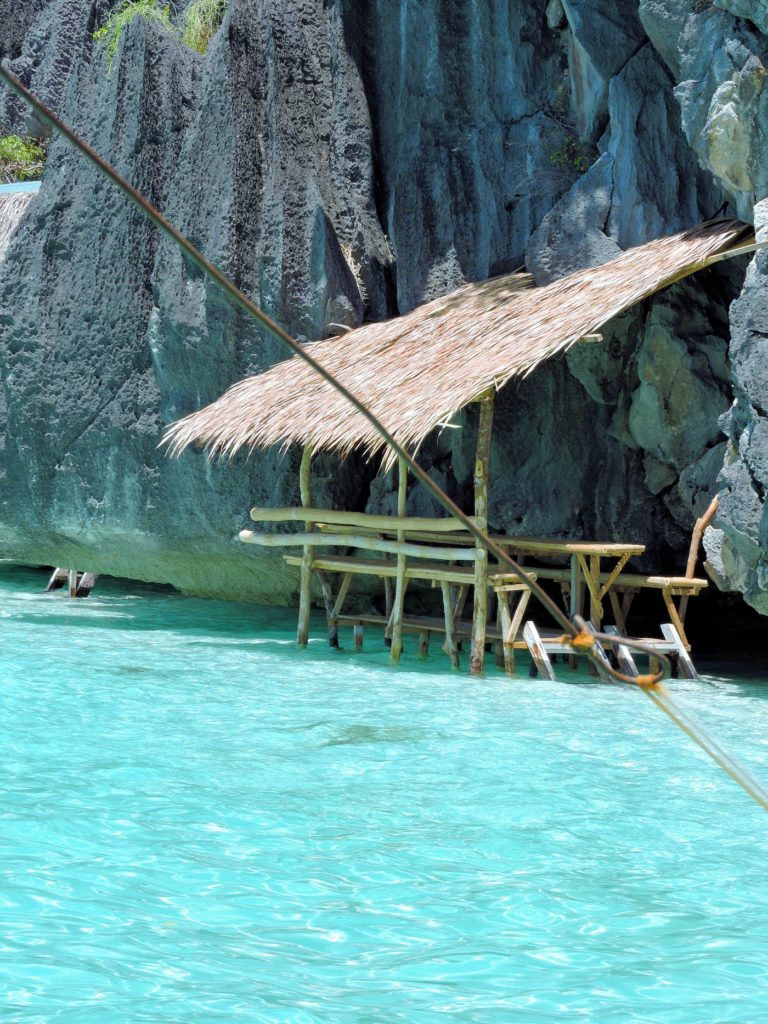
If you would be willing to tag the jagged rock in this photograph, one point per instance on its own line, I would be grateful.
(572, 236)
(755, 10)
(604, 37)
(664, 22)
(342, 163)
(737, 547)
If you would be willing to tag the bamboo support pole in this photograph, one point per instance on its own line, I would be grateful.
(400, 582)
(393, 547)
(305, 585)
(362, 520)
(480, 612)
(696, 537)
(450, 636)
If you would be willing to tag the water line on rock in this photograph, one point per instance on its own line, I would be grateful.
(650, 684)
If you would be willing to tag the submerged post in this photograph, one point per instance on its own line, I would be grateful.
(480, 612)
(397, 607)
(305, 586)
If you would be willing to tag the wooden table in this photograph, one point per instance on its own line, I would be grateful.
(585, 566)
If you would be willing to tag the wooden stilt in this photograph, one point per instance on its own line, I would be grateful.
(72, 578)
(480, 611)
(327, 588)
(389, 596)
(358, 635)
(450, 636)
(400, 583)
(305, 586)
(618, 613)
(424, 644)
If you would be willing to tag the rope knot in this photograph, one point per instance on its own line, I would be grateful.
(582, 642)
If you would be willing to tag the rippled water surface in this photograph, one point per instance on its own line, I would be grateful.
(201, 823)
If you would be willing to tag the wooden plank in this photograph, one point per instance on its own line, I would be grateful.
(540, 661)
(58, 579)
(343, 540)
(364, 520)
(623, 654)
(423, 624)
(482, 456)
(535, 545)
(86, 584)
(685, 666)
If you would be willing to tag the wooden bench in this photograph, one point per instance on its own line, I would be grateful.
(625, 586)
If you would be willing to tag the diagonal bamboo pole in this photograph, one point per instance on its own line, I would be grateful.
(575, 631)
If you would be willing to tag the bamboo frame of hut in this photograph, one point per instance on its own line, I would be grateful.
(416, 372)
(403, 527)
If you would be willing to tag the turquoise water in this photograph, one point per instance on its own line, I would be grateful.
(200, 823)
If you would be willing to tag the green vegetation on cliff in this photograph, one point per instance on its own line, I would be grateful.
(110, 33)
(201, 21)
(197, 26)
(20, 159)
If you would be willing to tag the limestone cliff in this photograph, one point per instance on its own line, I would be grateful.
(346, 160)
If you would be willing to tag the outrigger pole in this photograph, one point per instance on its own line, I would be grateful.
(577, 632)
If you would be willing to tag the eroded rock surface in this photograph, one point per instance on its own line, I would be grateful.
(347, 161)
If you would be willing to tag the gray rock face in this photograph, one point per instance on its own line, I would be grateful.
(346, 161)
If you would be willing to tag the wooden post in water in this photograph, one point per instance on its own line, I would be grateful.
(480, 613)
(397, 608)
(305, 586)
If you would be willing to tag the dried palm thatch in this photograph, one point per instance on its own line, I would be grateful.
(414, 372)
(13, 206)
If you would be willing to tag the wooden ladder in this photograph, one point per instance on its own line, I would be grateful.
(541, 647)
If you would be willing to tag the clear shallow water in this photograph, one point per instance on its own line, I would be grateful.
(200, 823)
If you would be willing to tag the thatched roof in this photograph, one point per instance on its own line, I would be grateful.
(13, 206)
(414, 372)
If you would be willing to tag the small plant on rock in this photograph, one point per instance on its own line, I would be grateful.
(21, 159)
(109, 34)
(201, 20)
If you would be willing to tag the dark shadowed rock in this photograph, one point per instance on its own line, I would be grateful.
(346, 161)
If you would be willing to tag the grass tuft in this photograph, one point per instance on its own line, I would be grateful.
(109, 34)
(21, 159)
(201, 20)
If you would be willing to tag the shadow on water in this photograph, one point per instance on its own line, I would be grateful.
(356, 734)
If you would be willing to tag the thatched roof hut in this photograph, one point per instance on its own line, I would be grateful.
(13, 205)
(415, 371)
